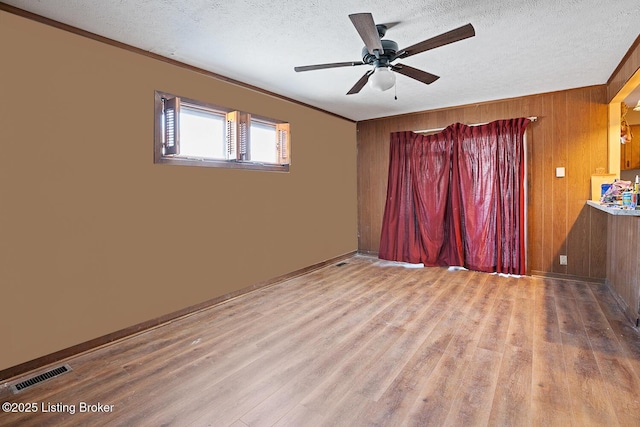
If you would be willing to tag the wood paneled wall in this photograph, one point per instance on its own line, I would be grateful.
(571, 132)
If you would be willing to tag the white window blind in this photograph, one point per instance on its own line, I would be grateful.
(171, 144)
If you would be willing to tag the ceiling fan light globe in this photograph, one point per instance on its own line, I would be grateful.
(382, 79)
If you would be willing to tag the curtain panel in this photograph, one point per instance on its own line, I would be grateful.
(456, 198)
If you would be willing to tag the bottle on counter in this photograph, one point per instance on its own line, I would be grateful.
(636, 192)
(628, 199)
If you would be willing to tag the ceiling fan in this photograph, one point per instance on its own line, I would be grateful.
(381, 53)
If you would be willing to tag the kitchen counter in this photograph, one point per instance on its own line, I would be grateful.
(623, 257)
(613, 210)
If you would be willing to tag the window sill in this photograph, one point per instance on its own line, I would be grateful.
(222, 164)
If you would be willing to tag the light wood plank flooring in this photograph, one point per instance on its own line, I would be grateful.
(367, 344)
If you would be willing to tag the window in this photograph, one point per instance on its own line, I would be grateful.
(193, 133)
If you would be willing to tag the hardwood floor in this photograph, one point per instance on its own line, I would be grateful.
(366, 344)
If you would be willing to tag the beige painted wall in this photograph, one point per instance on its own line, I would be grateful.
(94, 237)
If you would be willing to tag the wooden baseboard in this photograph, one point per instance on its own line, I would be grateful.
(567, 277)
(86, 346)
(624, 307)
(369, 253)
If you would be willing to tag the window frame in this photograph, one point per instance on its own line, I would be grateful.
(175, 159)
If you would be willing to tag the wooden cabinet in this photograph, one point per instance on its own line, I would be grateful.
(623, 264)
(623, 260)
(630, 152)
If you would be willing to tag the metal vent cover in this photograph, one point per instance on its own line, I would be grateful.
(37, 379)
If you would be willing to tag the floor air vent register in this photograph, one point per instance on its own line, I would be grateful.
(37, 379)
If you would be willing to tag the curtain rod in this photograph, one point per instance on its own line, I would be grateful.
(532, 118)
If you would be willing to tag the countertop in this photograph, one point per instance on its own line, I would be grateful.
(613, 210)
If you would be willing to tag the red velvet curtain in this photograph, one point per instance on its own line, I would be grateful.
(457, 198)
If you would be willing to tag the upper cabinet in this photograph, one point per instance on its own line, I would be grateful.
(620, 88)
(629, 136)
(630, 151)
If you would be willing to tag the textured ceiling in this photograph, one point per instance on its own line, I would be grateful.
(521, 47)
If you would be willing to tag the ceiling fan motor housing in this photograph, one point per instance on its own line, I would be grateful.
(390, 48)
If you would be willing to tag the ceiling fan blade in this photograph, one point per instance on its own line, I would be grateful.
(331, 65)
(390, 25)
(368, 32)
(414, 73)
(452, 36)
(360, 84)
